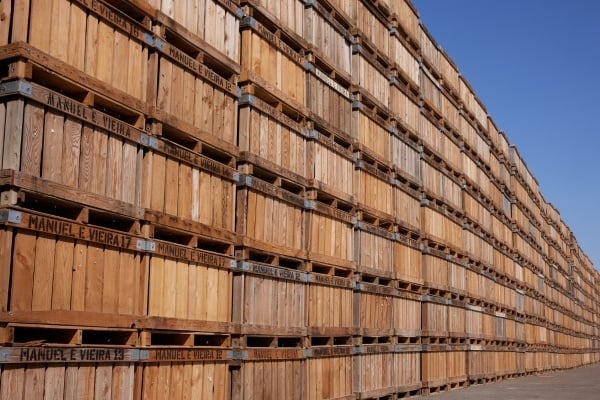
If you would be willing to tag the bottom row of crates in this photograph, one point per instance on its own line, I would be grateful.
(211, 368)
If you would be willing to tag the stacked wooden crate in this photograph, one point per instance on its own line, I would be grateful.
(118, 186)
(266, 199)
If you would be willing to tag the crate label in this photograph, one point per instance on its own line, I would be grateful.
(113, 17)
(55, 226)
(331, 280)
(274, 354)
(195, 159)
(81, 111)
(278, 43)
(200, 69)
(274, 191)
(66, 354)
(331, 351)
(186, 354)
(331, 212)
(276, 114)
(192, 255)
(377, 289)
(266, 270)
(333, 84)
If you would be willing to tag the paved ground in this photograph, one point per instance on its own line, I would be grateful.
(574, 384)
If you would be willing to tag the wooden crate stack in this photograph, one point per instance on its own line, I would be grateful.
(262, 199)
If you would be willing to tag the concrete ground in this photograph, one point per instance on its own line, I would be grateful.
(574, 384)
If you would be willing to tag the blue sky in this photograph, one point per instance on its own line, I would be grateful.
(535, 64)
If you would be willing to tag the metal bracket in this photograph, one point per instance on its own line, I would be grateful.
(146, 245)
(149, 141)
(16, 87)
(10, 216)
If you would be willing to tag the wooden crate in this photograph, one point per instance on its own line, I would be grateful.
(274, 136)
(449, 74)
(407, 316)
(434, 368)
(189, 284)
(406, 158)
(269, 299)
(405, 105)
(329, 369)
(477, 209)
(441, 184)
(92, 380)
(407, 370)
(456, 320)
(330, 303)
(258, 204)
(481, 364)
(456, 364)
(479, 324)
(214, 22)
(374, 307)
(330, 232)
(371, 72)
(373, 187)
(192, 99)
(434, 319)
(199, 379)
(184, 185)
(429, 50)
(329, 98)
(372, 24)
(407, 203)
(267, 58)
(328, 34)
(373, 370)
(373, 130)
(92, 37)
(55, 137)
(471, 104)
(287, 15)
(408, 258)
(53, 263)
(435, 269)
(477, 246)
(374, 249)
(330, 164)
(407, 18)
(430, 90)
(457, 276)
(441, 225)
(404, 57)
(272, 372)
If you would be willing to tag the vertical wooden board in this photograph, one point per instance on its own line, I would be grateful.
(104, 61)
(59, 29)
(137, 70)
(130, 173)
(103, 382)
(94, 278)
(33, 126)
(6, 252)
(127, 288)
(13, 128)
(181, 294)
(171, 186)
(169, 294)
(78, 283)
(121, 60)
(39, 23)
(54, 383)
(114, 167)
(99, 162)
(12, 382)
(122, 382)
(110, 294)
(86, 158)
(91, 45)
(77, 36)
(207, 105)
(70, 152)
(63, 272)
(34, 381)
(156, 181)
(24, 249)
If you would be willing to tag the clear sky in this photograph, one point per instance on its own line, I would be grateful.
(535, 64)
